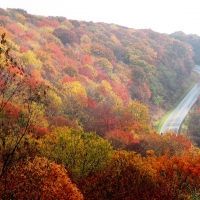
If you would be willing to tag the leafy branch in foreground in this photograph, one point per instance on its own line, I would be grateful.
(19, 95)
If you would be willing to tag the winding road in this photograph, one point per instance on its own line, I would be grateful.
(174, 121)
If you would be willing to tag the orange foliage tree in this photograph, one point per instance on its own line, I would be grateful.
(167, 144)
(38, 179)
(178, 177)
(130, 176)
(126, 176)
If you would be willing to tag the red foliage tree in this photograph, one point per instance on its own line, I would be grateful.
(24, 48)
(67, 79)
(102, 119)
(15, 29)
(86, 59)
(122, 91)
(48, 22)
(86, 72)
(62, 121)
(91, 103)
(121, 139)
(102, 52)
(66, 36)
(29, 35)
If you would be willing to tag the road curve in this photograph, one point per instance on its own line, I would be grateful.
(174, 121)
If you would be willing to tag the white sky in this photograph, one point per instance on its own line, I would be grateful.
(165, 16)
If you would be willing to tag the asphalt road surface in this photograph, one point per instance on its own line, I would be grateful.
(174, 121)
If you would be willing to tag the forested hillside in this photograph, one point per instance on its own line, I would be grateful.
(149, 66)
(77, 102)
(192, 39)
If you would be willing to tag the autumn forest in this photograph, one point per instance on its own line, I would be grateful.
(79, 103)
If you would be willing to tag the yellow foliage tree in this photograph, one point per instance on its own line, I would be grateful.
(140, 111)
(114, 39)
(20, 17)
(105, 65)
(67, 25)
(141, 115)
(76, 96)
(29, 59)
(82, 153)
(91, 69)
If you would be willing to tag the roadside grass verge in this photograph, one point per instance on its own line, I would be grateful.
(194, 80)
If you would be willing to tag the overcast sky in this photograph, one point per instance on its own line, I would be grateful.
(165, 16)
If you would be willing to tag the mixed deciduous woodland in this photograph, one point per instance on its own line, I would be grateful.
(77, 105)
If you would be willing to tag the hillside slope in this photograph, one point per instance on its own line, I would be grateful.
(98, 68)
(192, 39)
(74, 118)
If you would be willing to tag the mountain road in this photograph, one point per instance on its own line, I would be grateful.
(176, 118)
